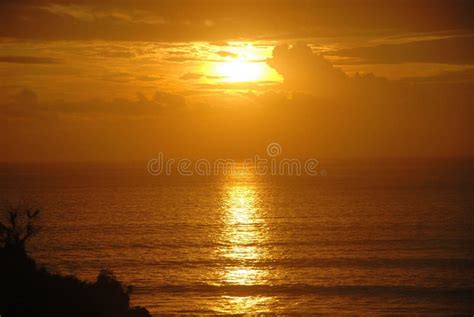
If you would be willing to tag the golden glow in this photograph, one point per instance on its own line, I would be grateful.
(244, 233)
(243, 63)
(240, 70)
(244, 227)
(246, 303)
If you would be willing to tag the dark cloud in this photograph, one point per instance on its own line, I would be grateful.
(428, 116)
(258, 86)
(303, 69)
(26, 104)
(177, 52)
(445, 78)
(183, 20)
(227, 54)
(147, 78)
(456, 50)
(183, 59)
(124, 77)
(371, 117)
(221, 43)
(191, 76)
(109, 53)
(28, 60)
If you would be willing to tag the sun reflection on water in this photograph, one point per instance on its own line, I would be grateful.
(243, 237)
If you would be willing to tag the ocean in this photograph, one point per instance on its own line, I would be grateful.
(369, 237)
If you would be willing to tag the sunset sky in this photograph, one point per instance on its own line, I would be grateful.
(121, 80)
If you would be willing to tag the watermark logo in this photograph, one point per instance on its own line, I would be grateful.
(273, 163)
(273, 149)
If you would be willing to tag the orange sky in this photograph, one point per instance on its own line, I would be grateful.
(123, 80)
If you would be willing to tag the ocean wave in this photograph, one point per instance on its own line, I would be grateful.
(309, 263)
(305, 289)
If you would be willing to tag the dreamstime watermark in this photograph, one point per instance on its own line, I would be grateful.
(271, 164)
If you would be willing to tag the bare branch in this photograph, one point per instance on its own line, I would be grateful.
(20, 227)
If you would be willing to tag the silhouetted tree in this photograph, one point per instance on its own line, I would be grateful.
(29, 290)
(19, 226)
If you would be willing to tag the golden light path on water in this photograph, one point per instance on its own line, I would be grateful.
(243, 236)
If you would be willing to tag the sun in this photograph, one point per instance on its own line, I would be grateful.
(241, 62)
(240, 70)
